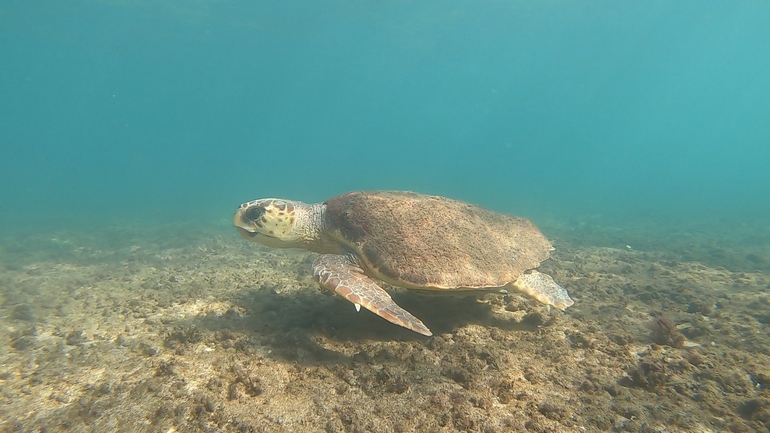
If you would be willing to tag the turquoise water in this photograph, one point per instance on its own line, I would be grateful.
(182, 110)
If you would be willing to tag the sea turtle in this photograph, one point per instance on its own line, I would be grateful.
(409, 240)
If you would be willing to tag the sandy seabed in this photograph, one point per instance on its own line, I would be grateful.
(194, 329)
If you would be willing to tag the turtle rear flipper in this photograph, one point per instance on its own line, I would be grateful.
(342, 276)
(543, 288)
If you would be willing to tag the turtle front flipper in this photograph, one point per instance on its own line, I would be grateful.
(543, 288)
(341, 275)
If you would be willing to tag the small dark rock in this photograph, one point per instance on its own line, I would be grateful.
(59, 398)
(761, 379)
(694, 357)
(553, 411)
(215, 385)
(183, 335)
(74, 338)
(121, 340)
(225, 335)
(208, 404)
(612, 390)
(398, 385)
(588, 386)
(161, 414)
(165, 368)
(650, 373)
(253, 385)
(22, 342)
(22, 312)
(459, 375)
(232, 391)
(738, 427)
(361, 357)
(180, 410)
(533, 319)
(757, 409)
(148, 349)
(506, 391)
(621, 339)
(700, 308)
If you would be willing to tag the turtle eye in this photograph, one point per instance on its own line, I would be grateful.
(254, 213)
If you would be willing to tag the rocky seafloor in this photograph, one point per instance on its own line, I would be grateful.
(161, 330)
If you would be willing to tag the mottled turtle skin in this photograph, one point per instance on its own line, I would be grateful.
(408, 240)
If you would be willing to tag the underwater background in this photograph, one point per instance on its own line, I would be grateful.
(635, 135)
(182, 110)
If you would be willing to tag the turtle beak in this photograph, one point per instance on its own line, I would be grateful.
(243, 223)
(245, 233)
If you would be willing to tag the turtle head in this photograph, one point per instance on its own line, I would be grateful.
(270, 221)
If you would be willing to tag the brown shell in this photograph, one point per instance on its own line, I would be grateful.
(431, 242)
